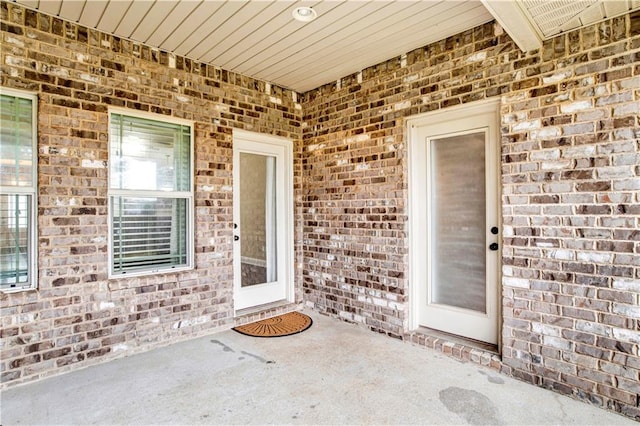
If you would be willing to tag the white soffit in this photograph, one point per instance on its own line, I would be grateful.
(529, 22)
(515, 22)
(261, 39)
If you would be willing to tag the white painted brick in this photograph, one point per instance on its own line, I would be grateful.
(88, 77)
(547, 133)
(526, 125)
(553, 165)
(59, 72)
(401, 105)
(511, 98)
(627, 335)
(576, 106)
(358, 138)
(556, 342)
(507, 231)
(580, 151)
(592, 115)
(593, 328)
(380, 302)
(615, 172)
(557, 187)
(120, 347)
(595, 257)
(630, 285)
(627, 185)
(516, 282)
(545, 329)
(626, 109)
(547, 154)
(106, 305)
(477, 57)
(558, 76)
(94, 164)
(631, 83)
(631, 311)
(561, 97)
(563, 254)
(315, 147)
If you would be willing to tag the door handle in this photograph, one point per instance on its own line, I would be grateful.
(493, 246)
(236, 238)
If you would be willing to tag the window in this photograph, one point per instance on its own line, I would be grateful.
(18, 179)
(150, 195)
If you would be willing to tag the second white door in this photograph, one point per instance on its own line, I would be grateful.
(262, 200)
(455, 222)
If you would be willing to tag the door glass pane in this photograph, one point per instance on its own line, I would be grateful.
(257, 219)
(458, 213)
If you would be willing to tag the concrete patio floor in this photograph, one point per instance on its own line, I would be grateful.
(333, 373)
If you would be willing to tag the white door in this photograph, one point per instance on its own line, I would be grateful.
(455, 220)
(263, 219)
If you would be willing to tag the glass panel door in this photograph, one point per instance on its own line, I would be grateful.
(458, 255)
(263, 219)
(454, 220)
(257, 225)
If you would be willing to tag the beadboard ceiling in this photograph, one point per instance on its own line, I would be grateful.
(260, 38)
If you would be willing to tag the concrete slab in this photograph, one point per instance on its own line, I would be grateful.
(333, 373)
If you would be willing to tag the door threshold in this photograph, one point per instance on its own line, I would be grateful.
(457, 347)
(268, 310)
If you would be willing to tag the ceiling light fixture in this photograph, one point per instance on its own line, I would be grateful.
(304, 14)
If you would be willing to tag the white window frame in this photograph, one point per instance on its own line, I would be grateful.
(188, 195)
(32, 191)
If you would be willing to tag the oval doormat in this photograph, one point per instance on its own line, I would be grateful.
(282, 325)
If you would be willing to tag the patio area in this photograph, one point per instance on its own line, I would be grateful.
(333, 373)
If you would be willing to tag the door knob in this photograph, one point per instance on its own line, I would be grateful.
(494, 230)
(493, 246)
(236, 238)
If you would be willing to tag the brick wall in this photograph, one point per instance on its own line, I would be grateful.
(571, 208)
(570, 166)
(78, 316)
(570, 198)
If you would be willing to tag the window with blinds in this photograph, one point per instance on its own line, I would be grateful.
(150, 195)
(18, 179)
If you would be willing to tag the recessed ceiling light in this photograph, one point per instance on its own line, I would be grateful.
(304, 14)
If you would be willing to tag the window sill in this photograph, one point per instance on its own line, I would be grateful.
(155, 272)
(18, 290)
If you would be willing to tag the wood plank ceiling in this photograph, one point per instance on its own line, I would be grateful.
(261, 39)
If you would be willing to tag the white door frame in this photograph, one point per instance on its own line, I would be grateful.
(257, 143)
(418, 228)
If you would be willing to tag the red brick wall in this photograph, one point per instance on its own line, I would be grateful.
(570, 198)
(570, 195)
(78, 316)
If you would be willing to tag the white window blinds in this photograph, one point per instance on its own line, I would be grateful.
(150, 195)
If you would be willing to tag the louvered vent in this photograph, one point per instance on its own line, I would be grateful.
(557, 16)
